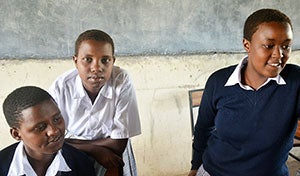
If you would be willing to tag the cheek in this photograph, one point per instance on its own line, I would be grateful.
(287, 55)
(286, 58)
(260, 57)
(62, 127)
(34, 141)
(259, 52)
(82, 71)
(82, 67)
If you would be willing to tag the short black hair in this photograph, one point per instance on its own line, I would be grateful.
(94, 34)
(262, 16)
(20, 99)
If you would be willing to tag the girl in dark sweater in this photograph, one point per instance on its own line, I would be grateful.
(248, 113)
(36, 122)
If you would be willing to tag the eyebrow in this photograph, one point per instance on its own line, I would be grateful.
(43, 121)
(88, 55)
(107, 56)
(272, 40)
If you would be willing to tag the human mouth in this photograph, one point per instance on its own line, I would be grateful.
(275, 64)
(56, 139)
(96, 78)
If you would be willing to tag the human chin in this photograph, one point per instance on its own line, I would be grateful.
(93, 87)
(273, 73)
(97, 87)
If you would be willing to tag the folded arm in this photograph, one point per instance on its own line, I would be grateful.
(107, 152)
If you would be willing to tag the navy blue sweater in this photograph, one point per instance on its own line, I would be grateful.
(78, 161)
(245, 133)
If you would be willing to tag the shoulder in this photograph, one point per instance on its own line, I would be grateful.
(64, 80)
(291, 72)
(221, 76)
(65, 77)
(6, 156)
(226, 71)
(118, 73)
(77, 160)
(8, 151)
(290, 69)
(119, 77)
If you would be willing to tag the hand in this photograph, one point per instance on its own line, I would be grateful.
(192, 173)
(107, 158)
(103, 155)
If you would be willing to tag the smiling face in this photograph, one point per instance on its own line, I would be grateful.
(268, 50)
(41, 129)
(94, 63)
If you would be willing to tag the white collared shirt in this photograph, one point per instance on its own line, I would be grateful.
(21, 166)
(113, 114)
(235, 77)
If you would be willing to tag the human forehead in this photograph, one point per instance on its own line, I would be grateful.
(43, 111)
(274, 30)
(95, 46)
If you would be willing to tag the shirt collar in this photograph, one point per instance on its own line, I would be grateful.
(235, 77)
(21, 166)
(79, 91)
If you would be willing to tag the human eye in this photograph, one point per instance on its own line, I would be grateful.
(105, 60)
(268, 46)
(286, 47)
(88, 59)
(40, 127)
(57, 119)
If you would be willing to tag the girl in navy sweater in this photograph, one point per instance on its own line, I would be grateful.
(248, 113)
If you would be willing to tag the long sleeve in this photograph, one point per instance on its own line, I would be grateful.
(204, 126)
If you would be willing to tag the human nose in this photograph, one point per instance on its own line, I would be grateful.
(96, 66)
(277, 52)
(52, 130)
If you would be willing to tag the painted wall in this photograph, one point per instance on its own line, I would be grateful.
(162, 84)
(48, 28)
(37, 37)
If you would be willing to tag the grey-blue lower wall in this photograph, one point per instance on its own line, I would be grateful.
(48, 28)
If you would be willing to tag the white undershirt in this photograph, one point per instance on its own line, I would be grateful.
(21, 166)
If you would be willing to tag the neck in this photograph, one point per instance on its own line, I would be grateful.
(92, 94)
(251, 80)
(40, 166)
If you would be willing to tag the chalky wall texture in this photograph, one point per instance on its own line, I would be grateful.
(161, 83)
(168, 47)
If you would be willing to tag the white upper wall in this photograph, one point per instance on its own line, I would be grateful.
(161, 83)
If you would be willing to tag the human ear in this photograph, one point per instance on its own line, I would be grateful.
(74, 59)
(14, 132)
(246, 44)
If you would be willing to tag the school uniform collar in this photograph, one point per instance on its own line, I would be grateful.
(235, 77)
(79, 91)
(21, 166)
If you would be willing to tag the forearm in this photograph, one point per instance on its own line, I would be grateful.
(201, 137)
(204, 128)
(102, 154)
(83, 145)
(116, 145)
